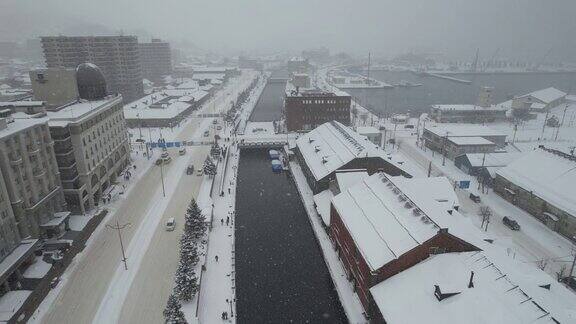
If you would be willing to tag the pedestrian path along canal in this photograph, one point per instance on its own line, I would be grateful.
(281, 276)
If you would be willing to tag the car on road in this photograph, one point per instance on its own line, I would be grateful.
(170, 224)
(206, 133)
(167, 160)
(474, 198)
(214, 121)
(190, 169)
(199, 172)
(159, 161)
(512, 224)
(164, 155)
(182, 151)
(218, 127)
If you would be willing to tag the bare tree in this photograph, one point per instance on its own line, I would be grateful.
(541, 264)
(485, 212)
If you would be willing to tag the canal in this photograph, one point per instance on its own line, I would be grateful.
(281, 276)
(270, 103)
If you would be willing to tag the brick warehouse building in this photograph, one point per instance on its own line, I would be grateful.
(307, 109)
(333, 146)
(384, 225)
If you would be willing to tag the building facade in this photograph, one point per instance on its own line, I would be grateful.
(91, 149)
(548, 195)
(117, 56)
(156, 59)
(30, 173)
(54, 86)
(306, 110)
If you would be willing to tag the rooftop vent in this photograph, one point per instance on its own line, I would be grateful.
(440, 295)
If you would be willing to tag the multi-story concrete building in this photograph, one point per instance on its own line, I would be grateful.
(117, 56)
(10, 236)
(310, 108)
(91, 145)
(54, 86)
(31, 175)
(156, 59)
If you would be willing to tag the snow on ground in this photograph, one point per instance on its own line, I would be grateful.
(532, 243)
(260, 128)
(147, 226)
(345, 289)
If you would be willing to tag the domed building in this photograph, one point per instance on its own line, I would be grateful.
(91, 82)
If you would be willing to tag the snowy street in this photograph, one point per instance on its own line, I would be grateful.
(97, 276)
(534, 242)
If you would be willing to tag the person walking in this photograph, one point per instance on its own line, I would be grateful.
(227, 220)
(216, 257)
(222, 221)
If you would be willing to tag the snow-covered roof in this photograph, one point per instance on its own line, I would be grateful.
(347, 178)
(505, 291)
(367, 130)
(439, 189)
(11, 302)
(204, 76)
(470, 140)
(546, 175)
(461, 107)
(21, 103)
(492, 159)
(331, 145)
(546, 95)
(459, 130)
(167, 103)
(18, 125)
(389, 216)
(81, 110)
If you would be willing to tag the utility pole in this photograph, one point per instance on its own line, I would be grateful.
(573, 263)
(444, 149)
(544, 125)
(162, 177)
(562, 122)
(119, 228)
(515, 130)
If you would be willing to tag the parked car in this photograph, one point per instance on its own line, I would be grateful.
(199, 172)
(190, 169)
(54, 282)
(512, 224)
(206, 133)
(474, 198)
(182, 151)
(170, 224)
(159, 161)
(214, 121)
(218, 127)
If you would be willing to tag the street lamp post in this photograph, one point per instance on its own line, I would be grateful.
(119, 228)
(162, 176)
(444, 149)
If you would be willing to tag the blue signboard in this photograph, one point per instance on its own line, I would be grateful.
(464, 184)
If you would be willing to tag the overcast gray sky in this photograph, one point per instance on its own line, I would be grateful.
(521, 28)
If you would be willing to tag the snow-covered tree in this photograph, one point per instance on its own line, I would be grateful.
(215, 150)
(209, 167)
(173, 312)
(186, 280)
(195, 222)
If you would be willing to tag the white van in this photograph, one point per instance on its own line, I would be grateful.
(170, 224)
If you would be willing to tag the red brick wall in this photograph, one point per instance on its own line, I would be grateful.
(299, 113)
(358, 269)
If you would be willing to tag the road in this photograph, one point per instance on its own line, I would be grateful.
(153, 283)
(84, 288)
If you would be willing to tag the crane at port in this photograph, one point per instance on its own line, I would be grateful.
(474, 65)
(541, 61)
(491, 61)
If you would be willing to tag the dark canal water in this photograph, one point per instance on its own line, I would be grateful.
(281, 276)
(439, 91)
(270, 103)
